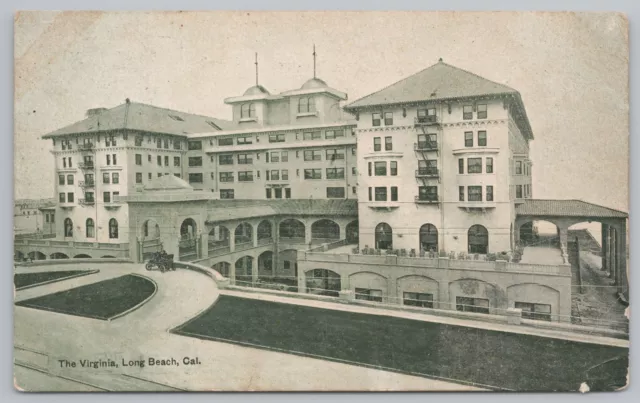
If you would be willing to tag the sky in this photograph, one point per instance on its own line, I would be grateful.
(571, 70)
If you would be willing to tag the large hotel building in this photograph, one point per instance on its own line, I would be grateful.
(433, 168)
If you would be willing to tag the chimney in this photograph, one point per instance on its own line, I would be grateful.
(95, 111)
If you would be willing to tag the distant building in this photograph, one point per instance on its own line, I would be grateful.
(32, 216)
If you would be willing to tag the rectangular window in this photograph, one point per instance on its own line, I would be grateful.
(61, 197)
(393, 168)
(70, 197)
(417, 299)
(245, 176)
(149, 175)
(312, 135)
(60, 179)
(478, 305)
(138, 177)
(276, 138)
(370, 194)
(275, 157)
(285, 174)
(195, 178)
(106, 197)
(482, 138)
(225, 160)
(158, 142)
(368, 295)
(474, 165)
(489, 164)
(381, 193)
(194, 145)
(113, 157)
(225, 141)
(388, 143)
(138, 159)
(274, 175)
(375, 119)
(284, 156)
(244, 140)
(268, 193)
(159, 160)
(460, 165)
(377, 144)
(115, 178)
(166, 160)
(226, 176)
(353, 151)
(226, 193)
(166, 143)
(195, 161)
(534, 311)
(518, 191)
(108, 159)
(381, 168)
(428, 193)
(313, 173)
(105, 177)
(394, 193)
(287, 193)
(482, 111)
(518, 167)
(139, 141)
(475, 193)
(335, 173)
(176, 161)
(468, 139)
(489, 195)
(461, 193)
(89, 160)
(370, 168)
(64, 162)
(333, 134)
(177, 145)
(149, 157)
(69, 179)
(388, 118)
(335, 193)
(467, 112)
(427, 167)
(277, 193)
(313, 155)
(334, 154)
(245, 159)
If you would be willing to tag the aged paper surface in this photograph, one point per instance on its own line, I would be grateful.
(321, 201)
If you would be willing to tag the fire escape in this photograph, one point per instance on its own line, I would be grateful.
(87, 150)
(427, 149)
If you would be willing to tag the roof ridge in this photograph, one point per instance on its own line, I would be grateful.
(478, 76)
(175, 110)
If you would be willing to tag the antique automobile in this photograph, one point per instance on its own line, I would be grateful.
(160, 261)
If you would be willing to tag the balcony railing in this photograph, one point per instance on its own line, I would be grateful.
(86, 147)
(427, 199)
(426, 120)
(425, 146)
(86, 202)
(112, 204)
(86, 165)
(427, 172)
(86, 184)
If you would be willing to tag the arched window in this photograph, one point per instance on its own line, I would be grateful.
(247, 110)
(90, 228)
(384, 236)
(429, 238)
(113, 229)
(68, 227)
(306, 105)
(478, 238)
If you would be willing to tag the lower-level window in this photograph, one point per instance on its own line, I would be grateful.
(195, 178)
(466, 304)
(534, 311)
(418, 299)
(335, 193)
(226, 194)
(367, 294)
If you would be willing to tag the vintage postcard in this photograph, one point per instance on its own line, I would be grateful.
(321, 201)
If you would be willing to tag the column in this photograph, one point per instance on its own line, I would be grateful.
(613, 264)
(232, 241)
(302, 286)
(254, 270)
(254, 236)
(343, 231)
(564, 233)
(232, 273)
(604, 243)
(621, 258)
(307, 233)
(204, 242)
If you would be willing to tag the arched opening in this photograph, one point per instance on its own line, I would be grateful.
(478, 239)
(58, 255)
(323, 282)
(224, 268)
(265, 264)
(539, 233)
(429, 238)
(292, 231)
(244, 270)
(243, 236)
(82, 256)
(150, 239)
(219, 239)
(18, 256)
(113, 228)
(187, 245)
(325, 231)
(108, 257)
(68, 228)
(90, 228)
(265, 232)
(352, 233)
(37, 255)
(384, 236)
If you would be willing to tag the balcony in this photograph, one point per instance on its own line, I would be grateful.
(426, 120)
(427, 199)
(426, 146)
(86, 147)
(111, 205)
(86, 184)
(428, 172)
(86, 202)
(477, 205)
(86, 165)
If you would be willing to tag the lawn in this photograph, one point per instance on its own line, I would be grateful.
(102, 300)
(29, 280)
(498, 360)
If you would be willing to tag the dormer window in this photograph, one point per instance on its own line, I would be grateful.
(248, 111)
(306, 105)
